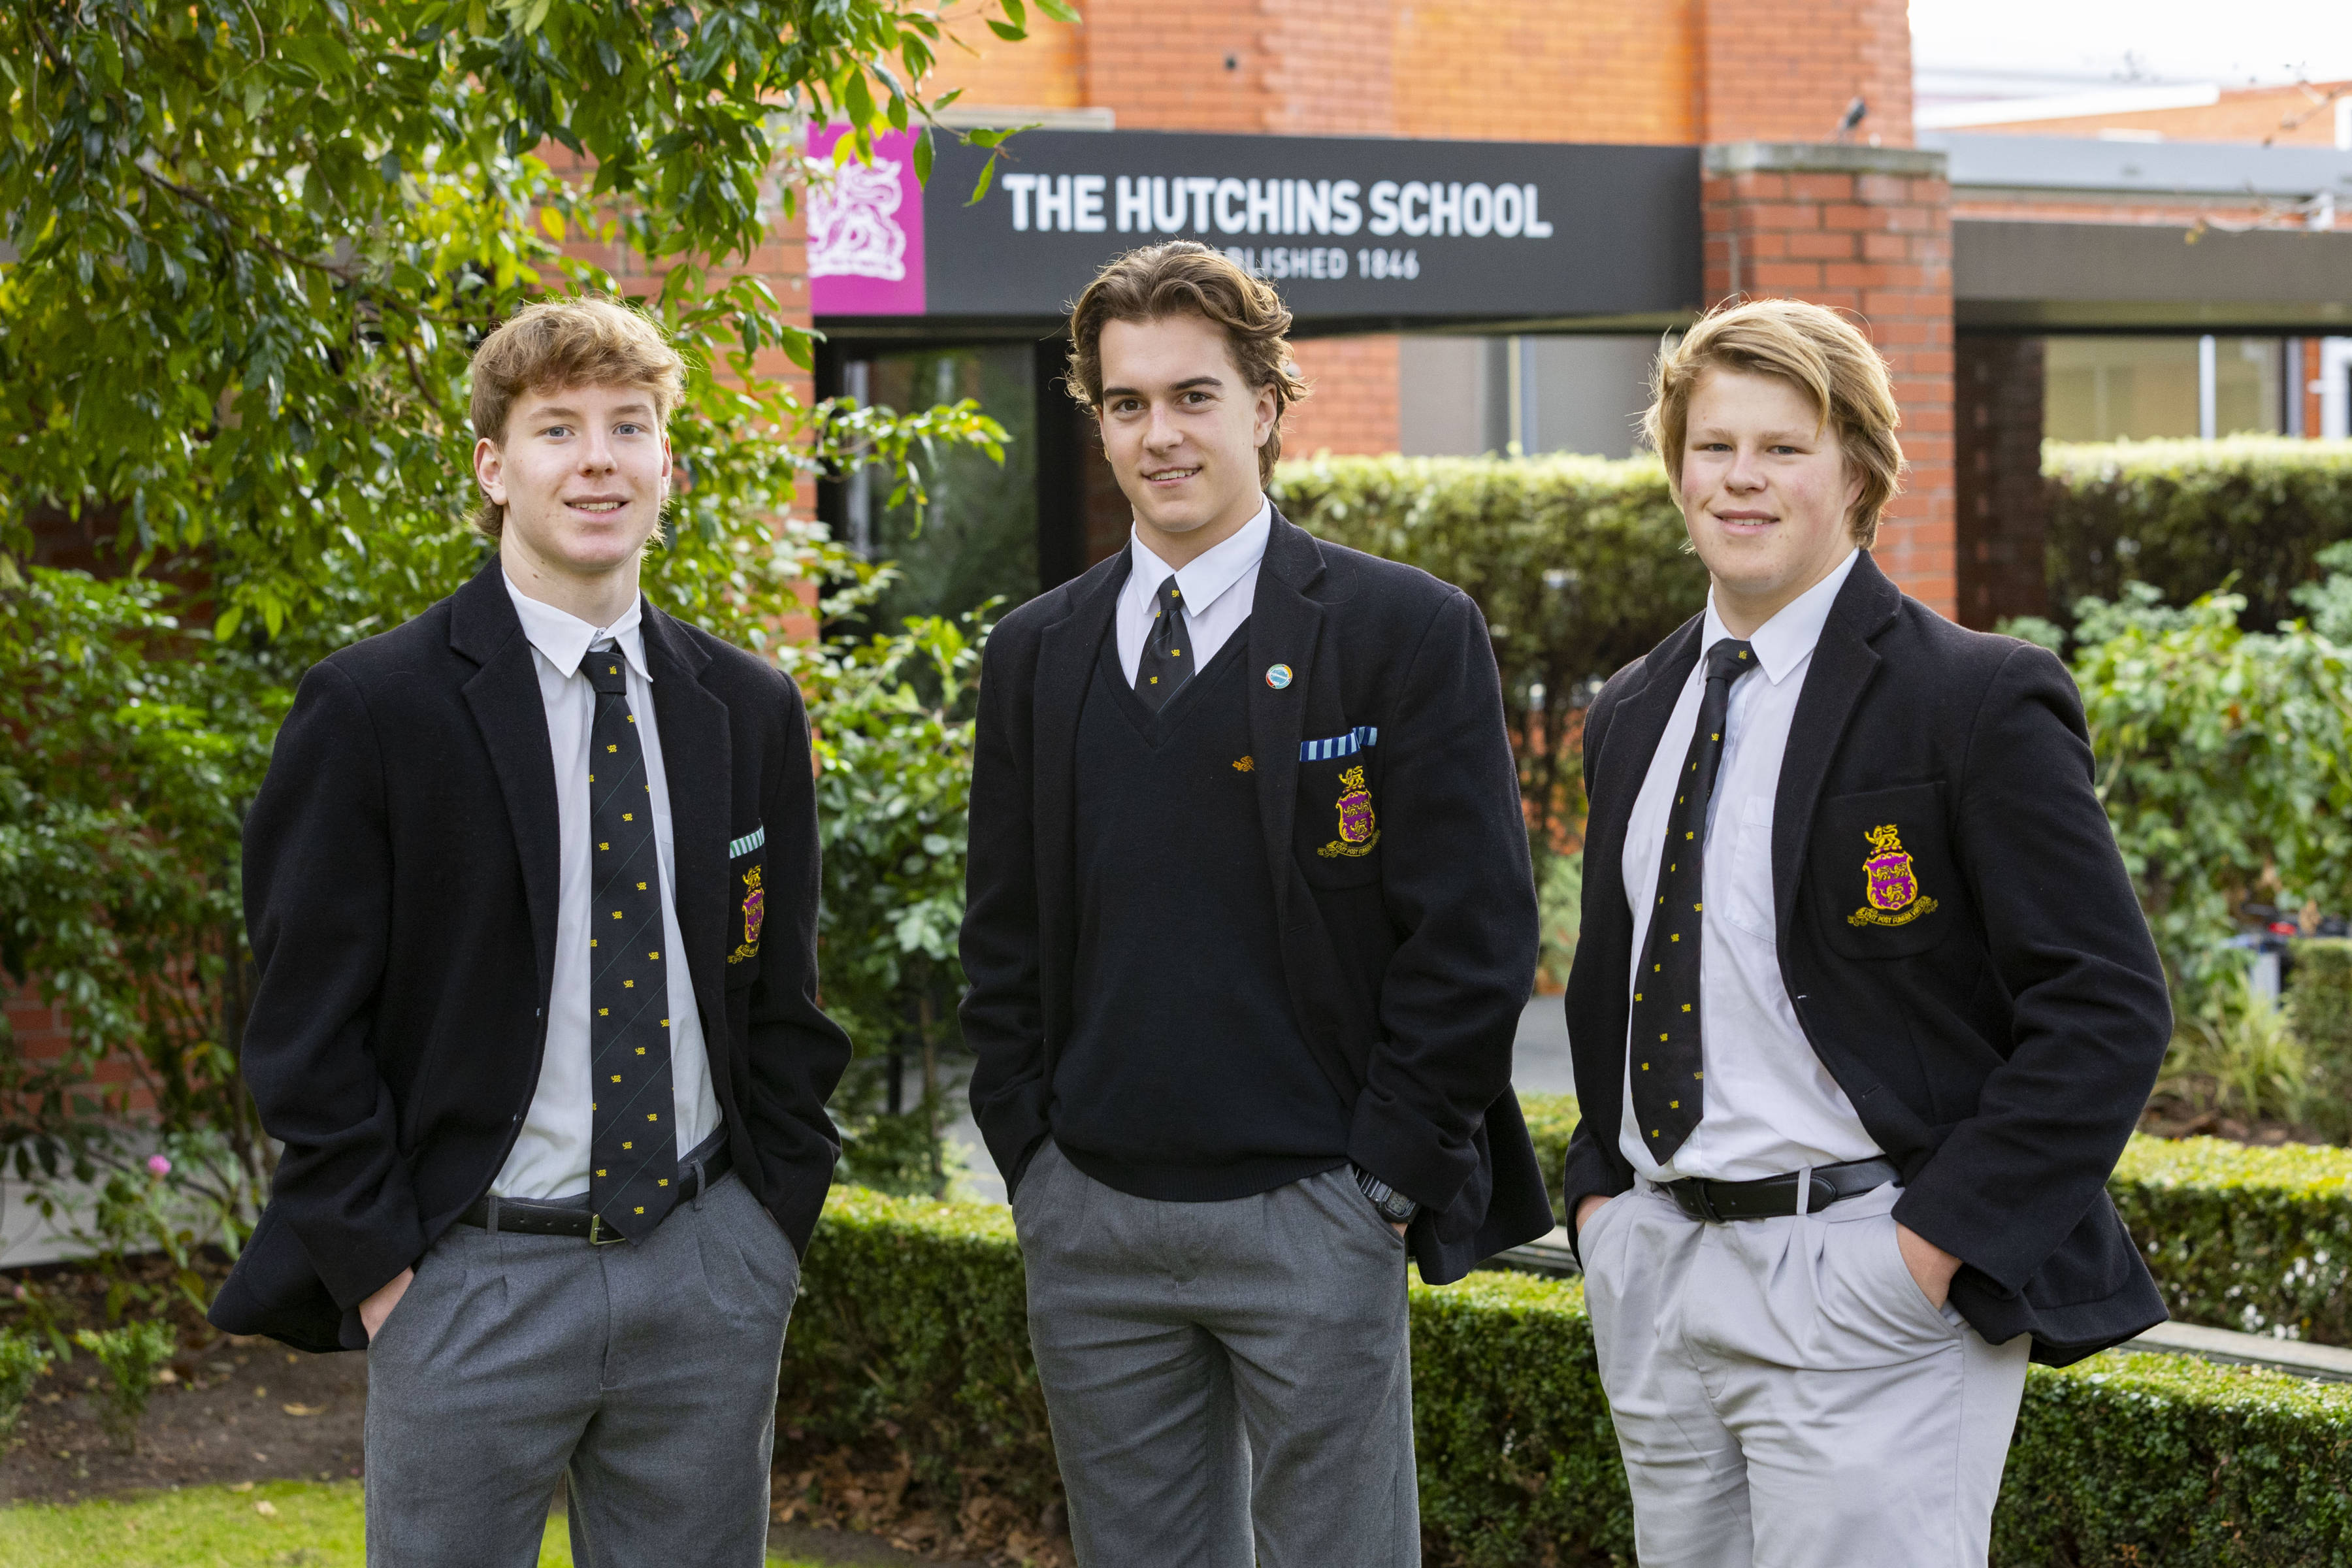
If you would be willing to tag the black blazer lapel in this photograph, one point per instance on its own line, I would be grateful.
(1285, 627)
(1844, 664)
(699, 765)
(512, 717)
(1066, 651)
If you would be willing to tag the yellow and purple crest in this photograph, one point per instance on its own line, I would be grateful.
(1359, 827)
(755, 913)
(1890, 883)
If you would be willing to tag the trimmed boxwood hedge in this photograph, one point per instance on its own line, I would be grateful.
(2184, 515)
(910, 1331)
(2259, 1240)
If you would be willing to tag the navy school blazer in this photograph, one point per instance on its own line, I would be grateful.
(1994, 1008)
(400, 886)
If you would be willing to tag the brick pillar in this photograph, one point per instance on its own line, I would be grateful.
(2004, 513)
(1868, 231)
(1353, 409)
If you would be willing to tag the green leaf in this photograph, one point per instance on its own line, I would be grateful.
(1015, 12)
(980, 186)
(1006, 30)
(922, 157)
(1060, 10)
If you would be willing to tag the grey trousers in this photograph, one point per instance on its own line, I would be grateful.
(1229, 1384)
(646, 1372)
(1785, 1397)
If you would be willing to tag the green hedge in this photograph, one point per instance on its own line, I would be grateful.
(910, 1332)
(2319, 1007)
(2259, 1240)
(2184, 515)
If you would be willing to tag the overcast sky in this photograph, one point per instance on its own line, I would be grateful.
(2228, 41)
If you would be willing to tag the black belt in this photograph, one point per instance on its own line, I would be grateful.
(1774, 1198)
(569, 1216)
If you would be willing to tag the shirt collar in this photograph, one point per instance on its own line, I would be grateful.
(1205, 579)
(564, 639)
(1785, 641)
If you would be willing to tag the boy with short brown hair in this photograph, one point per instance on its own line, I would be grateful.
(532, 887)
(1250, 926)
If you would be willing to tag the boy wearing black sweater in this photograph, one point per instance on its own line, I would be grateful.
(1250, 926)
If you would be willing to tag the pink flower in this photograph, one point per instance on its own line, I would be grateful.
(158, 1167)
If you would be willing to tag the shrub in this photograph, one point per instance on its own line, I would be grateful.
(129, 1357)
(912, 1325)
(2252, 512)
(2224, 759)
(2256, 1239)
(2239, 1054)
(2319, 1007)
(21, 1361)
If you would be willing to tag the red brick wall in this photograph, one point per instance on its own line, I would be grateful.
(41, 1036)
(1868, 232)
(1783, 71)
(1539, 70)
(1353, 410)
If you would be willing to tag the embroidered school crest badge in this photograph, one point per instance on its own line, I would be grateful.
(1359, 828)
(755, 913)
(1890, 883)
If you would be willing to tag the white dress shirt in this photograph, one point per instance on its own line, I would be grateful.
(1771, 1106)
(549, 1158)
(1219, 586)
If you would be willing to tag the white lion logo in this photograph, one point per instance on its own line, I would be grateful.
(851, 233)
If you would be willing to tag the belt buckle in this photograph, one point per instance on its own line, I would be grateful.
(596, 1225)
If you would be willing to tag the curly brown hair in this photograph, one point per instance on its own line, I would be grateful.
(1181, 277)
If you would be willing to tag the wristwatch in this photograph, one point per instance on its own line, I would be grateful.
(1394, 1206)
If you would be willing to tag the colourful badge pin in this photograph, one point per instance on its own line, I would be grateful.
(1277, 676)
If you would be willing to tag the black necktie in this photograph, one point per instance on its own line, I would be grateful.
(1164, 665)
(632, 1145)
(1669, 1072)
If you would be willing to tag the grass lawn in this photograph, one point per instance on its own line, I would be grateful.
(277, 1524)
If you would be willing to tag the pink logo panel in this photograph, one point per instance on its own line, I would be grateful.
(865, 233)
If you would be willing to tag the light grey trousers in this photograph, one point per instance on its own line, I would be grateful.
(1785, 1397)
(645, 1372)
(1229, 1384)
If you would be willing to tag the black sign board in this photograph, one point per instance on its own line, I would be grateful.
(1355, 231)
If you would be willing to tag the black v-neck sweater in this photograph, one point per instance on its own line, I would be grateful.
(1185, 1077)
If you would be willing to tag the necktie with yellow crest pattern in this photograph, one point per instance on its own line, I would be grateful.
(1669, 1070)
(633, 1146)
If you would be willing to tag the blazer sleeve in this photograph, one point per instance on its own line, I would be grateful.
(318, 881)
(2071, 947)
(1459, 889)
(797, 1054)
(1002, 1013)
(1594, 1167)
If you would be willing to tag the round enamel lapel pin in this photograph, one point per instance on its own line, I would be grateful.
(1277, 676)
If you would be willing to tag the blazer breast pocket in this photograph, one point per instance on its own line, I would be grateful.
(1882, 873)
(746, 882)
(1338, 818)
